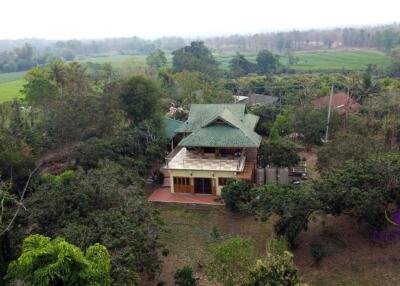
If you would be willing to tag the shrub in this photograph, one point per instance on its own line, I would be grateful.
(236, 193)
(318, 252)
(165, 252)
(278, 269)
(184, 277)
(231, 261)
(215, 234)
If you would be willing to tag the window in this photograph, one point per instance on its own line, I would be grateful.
(181, 181)
(222, 181)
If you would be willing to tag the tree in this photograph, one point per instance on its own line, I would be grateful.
(39, 89)
(184, 277)
(77, 80)
(279, 153)
(348, 146)
(231, 261)
(56, 262)
(294, 206)
(57, 72)
(192, 87)
(141, 99)
(283, 124)
(267, 62)
(240, 66)
(156, 59)
(235, 194)
(267, 114)
(311, 124)
(104, 205)
(362, 188)
(196, 57)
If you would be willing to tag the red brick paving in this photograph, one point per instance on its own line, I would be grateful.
(164, 195)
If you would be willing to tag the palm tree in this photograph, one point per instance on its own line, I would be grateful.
(57, 72)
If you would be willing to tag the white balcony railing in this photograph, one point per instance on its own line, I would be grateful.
(183, 159)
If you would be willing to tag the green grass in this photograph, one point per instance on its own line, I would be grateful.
(10, 90)
(118, 61)
(11, 76)
(325, 61)
(338, 60)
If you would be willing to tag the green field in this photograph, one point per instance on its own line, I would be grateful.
(329, 60)
(310, 61)
(10, 90)
(11, 76)
(338, 60)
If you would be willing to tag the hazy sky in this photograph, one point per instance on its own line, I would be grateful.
(64, 19)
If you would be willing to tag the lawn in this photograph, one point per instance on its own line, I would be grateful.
(10, 90)
(353, 260)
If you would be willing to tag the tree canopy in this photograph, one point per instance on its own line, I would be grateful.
(196, 57)
(46, 261)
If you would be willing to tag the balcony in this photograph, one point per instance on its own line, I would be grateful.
(186, 160)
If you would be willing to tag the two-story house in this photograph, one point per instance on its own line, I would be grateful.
(218, 143)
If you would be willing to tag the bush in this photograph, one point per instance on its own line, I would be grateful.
(236, 193)
(184, 277)
(278, 269)
(215, 234)
(165, 252)
(318, 252)
(231, 261)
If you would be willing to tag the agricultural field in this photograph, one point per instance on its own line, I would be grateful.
(338, 60)
(311, 61)
(325, 60)
(10, 90)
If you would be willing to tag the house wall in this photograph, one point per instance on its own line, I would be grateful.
(201, 174)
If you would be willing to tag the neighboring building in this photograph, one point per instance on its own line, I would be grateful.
(218, 143)
(254, 98)
(341, 102)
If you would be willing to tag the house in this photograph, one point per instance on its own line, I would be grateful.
(254, 98)
(341, 102)
(219, 143)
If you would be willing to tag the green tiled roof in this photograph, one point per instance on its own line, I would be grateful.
(170, 126)
(220, 125)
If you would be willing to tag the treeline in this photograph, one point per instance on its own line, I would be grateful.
(382, 37)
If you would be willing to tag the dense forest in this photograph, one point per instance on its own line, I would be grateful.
(77, 151)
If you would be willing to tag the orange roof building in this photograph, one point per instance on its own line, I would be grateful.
(341, 102)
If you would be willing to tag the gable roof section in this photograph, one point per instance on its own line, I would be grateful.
(201, 114)
(170, 126)
(219, 135)
(227, 117)
(235, 130)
